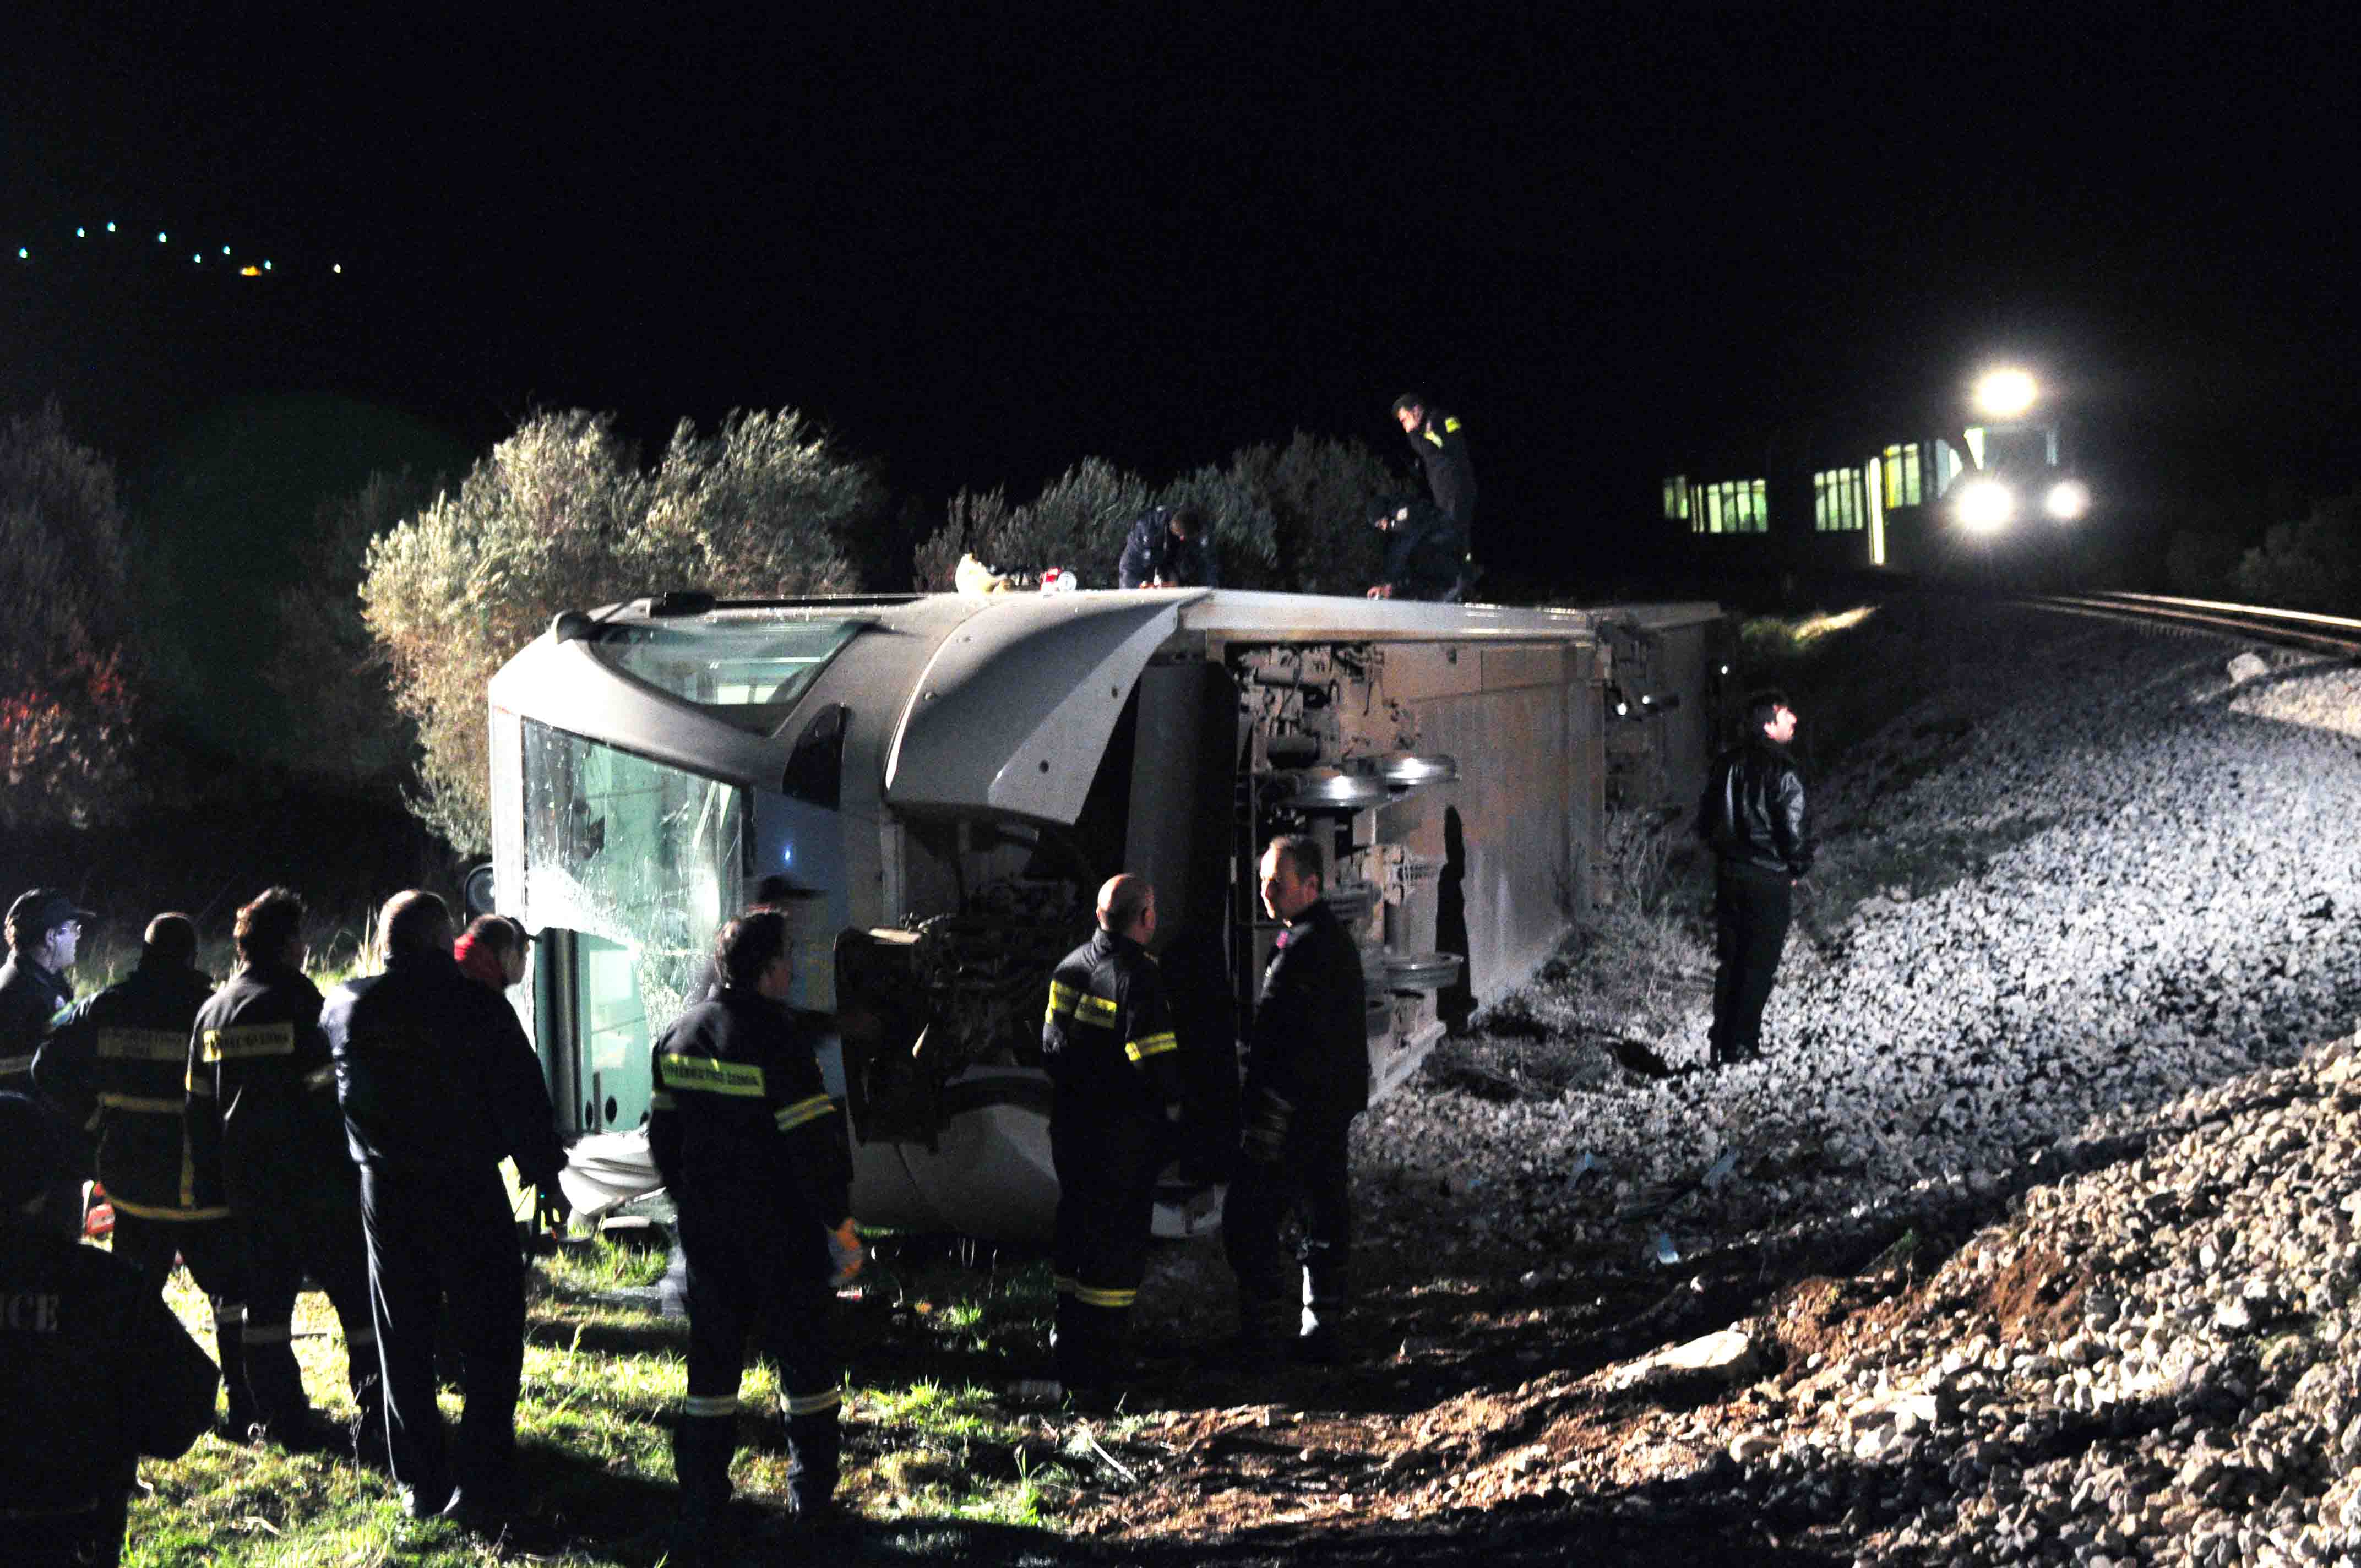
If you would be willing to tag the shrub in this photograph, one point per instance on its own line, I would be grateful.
(560, 516)
(1321, 495)
(2313, 565)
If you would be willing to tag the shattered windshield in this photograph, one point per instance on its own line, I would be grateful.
(748, 671)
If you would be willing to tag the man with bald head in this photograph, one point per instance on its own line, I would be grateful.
(1115, 1065)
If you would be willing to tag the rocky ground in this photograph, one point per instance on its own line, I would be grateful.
(2033, 1239)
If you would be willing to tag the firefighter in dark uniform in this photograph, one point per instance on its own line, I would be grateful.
(263, 1120)
(1442, 448)
(117, 1063)
(1426, 558)
(95, 1370)
(44, 931)
(1115, 1067)
(755, 1156)
(1166, 548)
(438, 1085)
(1307, 1078)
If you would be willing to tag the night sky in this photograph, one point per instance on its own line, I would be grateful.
(983, 248)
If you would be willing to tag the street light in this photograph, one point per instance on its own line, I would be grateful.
(2004, 393)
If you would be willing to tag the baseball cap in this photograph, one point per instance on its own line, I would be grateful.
(45, 909)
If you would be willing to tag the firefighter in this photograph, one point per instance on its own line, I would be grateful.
(438, 1085)
(1115, 1065)
(117, 1063)
(263, 1122)
(1435, 436)
(756, 1159)
(1307, 1078)
(96, 1368)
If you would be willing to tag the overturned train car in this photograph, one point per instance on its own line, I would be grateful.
(949, 778)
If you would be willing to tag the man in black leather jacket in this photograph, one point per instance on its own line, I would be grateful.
(1752, 815)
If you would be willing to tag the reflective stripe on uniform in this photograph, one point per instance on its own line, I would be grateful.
(153, 1104)
(1451, 424)
(9, 1065)
(1061, 1002)
(710, 1075)
(710, 1404)
(810, 1404)
(660, 1100)
(1151, 1046)
(143, 1044)
(790, 1117)
(149, 1212)
(250, 1040)
(1093, 1296)
(1095, 1011)
(320, 1077)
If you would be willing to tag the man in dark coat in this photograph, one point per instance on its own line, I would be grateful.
(1307, 1078)
(1115, 1070)
(755, 1156)
(44, 935)
(1425, 555)
(117, 1062)
(95, 1370)
(1753, 817)
(1166, 548)
(263, 1124)
(438, 1085)
(1434, 434)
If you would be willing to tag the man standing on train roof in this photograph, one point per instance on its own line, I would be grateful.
(1307, 1078)
(755, 1156)
(1166, 548)
(117, 1062)
(1434, 434)
(97, 1370)
(1115, 1070)
(1753, 817)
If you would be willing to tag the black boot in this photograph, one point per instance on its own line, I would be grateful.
(701, 1447)
(812, 1460)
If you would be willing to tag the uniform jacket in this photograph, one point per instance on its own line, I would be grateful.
(95, 1371)
(740, 1111)
(1752, 810)
(1107, 1038)
(1310, 1042)
(29, 997)
(1424, 553)
(262, 1091)
(435, 1074)
(1151, 551)
(1450, 474)
(117, 1063)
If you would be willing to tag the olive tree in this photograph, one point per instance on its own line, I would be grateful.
(562, 516)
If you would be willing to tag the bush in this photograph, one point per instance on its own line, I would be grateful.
(2313, 565)
(1321, 495)
(66, 671)
(560, 516)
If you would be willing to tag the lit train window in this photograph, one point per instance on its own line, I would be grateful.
(1904, 485)
(1838, 503)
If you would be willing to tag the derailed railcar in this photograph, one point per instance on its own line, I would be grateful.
(952, 777)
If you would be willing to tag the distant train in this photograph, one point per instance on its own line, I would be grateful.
(1937, 494)
(951, 777)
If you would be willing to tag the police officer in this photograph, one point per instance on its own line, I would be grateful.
(1434, 434)
(438, 1085)
(756, 1156)
(1115, 1067)
(44, 935)
(262, 1120)
(117, 1063)
(97, 1369)
(1307, 1078)
(1166, 548)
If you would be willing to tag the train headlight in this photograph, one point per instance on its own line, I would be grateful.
(2004, 393)
(1985, 505)
(2067, 501)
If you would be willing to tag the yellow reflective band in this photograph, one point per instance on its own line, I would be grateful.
(152, 1104)
(150, 1211)
(1096, 1011)
(250, 1040)
(1062, 996)
(1091, 1296)
(1435, 436)
(16, 1064)
(1450, 424)
(710, 1075)
(811, 1404)
(143, 1044)
(1153, 1046)
(660, 1100)
(790, 1117)
(710, 1404)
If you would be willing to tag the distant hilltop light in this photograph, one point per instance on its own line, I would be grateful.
(225, 250)
(110, 228)
(23, 254)
(162, 238)
(338, 268)
(82, 234)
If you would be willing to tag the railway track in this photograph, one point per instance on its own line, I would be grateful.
(2333, 634)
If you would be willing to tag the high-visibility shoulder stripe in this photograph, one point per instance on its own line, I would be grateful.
(143, 1044)
(810, 1404)
(245, 1040)
(152, 1212)
(790, 1117)
(1450, 424)
(150, 1104)
(710, 1075)
(1435, 436)
(1149, 1046)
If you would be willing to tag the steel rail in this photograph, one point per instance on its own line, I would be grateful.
(2288, 628)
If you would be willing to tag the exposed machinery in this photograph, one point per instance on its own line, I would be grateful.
(950, 778)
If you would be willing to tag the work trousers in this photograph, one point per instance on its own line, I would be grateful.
(92, 1538)
(442, 1247)
(315, 1231)
(1310, 1178)
(215, 1252)
(770, 1286)
(1106, 1168)
(1751, 908)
